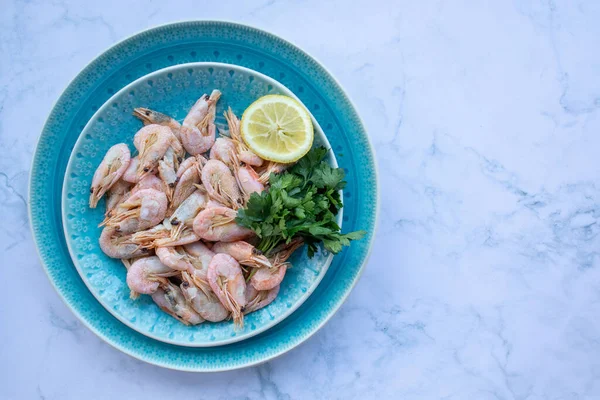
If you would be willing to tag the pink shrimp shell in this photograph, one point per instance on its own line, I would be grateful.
(219, 265)
(130, 174)
(229, 232)
(149, 182)
(265, 279)
(251, 294)
(136, 279)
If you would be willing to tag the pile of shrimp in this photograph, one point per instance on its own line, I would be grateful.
(170, 216)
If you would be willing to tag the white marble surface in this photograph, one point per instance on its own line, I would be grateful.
(484, 282)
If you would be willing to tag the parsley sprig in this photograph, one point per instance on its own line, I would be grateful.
(302, 201)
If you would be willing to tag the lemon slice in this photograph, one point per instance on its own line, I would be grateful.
(277, 128)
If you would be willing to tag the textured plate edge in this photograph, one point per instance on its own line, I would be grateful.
(162, 71)
(335, 307)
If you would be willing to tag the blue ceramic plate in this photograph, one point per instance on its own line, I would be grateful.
(209, 41)
(171, 90)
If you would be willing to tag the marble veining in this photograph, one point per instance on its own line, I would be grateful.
(484, 279)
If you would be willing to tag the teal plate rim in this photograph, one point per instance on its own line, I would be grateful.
(320, 137)
(123, 63)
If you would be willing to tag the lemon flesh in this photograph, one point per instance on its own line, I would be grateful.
(277, 128)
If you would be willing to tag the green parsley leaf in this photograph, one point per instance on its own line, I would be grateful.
(302, 201)
(327, 177)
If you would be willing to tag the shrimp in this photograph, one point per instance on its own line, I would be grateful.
(116, 245)
(146, 239)
(198, 129)
(170, 299)
(185, 187)
(268, 278)
(148, 182)
(227, 282)
(184, 215)
(189, 208)
(174, 257)
(271, 168)
(197, 161)
(203, 300)
(150, 117)
(109, 171)
(130, 174)
(128, 261)
(244, 253)
(257, 299)
(283, 251)
(248, 180)
(146, 274)
(117, 193)
(222, 150)
(142, 136)
(213, 203)
(160, 236)
(248, 157)
(217, 224)
(144, 209)
(220, 184)
(200, 257)
(153, 141)
(167, 168)
(245, 154)
(186, 237)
